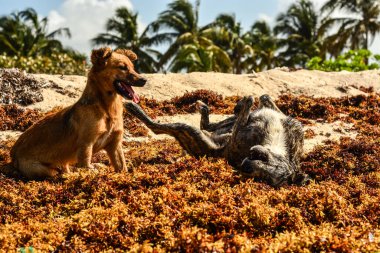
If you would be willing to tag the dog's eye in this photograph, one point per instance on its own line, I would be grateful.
(123, 67)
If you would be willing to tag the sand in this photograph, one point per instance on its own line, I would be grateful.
(273, 82)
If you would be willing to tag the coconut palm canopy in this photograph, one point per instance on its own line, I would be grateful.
(122, 32)
(25, 34)
(176, 41)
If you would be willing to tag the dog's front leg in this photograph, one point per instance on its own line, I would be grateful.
(115, 152)
(84, 156)
(117, 159)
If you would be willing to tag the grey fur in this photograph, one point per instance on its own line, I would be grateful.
(263, 143)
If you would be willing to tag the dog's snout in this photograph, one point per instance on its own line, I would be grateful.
(265, 98)
(246, 166)
(259, 153)
(141, 81)
(136, 80)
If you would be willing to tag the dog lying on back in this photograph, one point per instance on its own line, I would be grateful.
(93, 123)
(263, 143)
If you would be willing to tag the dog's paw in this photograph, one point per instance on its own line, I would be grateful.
(85, 166)
(128, 169)
(99, 166)
(249, 101)
(201, 107)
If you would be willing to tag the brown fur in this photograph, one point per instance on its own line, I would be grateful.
(93, 123)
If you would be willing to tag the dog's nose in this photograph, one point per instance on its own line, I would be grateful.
(265, 98)
(258, 152)
(246, 166)
(141, 81)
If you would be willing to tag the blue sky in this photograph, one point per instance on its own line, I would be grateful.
(86, 18)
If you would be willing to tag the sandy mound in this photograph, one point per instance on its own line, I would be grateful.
(273, 82)
(65, 90)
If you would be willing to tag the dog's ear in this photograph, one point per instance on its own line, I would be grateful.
(131, 55)
(100, 56)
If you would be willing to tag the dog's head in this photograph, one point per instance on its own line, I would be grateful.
(263, 164)
(116, 71)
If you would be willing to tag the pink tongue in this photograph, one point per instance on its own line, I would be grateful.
(135, 97)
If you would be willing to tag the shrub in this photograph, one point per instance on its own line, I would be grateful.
(56, 63)
(353, 60)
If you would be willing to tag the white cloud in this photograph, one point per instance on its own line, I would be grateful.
(55, 20)
(85, 18)
(375, 48)
(266, 18)
(283, 5)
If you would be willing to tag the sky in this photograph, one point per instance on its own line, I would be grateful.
(87, 18)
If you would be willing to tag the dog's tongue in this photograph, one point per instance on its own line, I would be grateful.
(133, 94)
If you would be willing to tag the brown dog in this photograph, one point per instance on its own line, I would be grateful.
(93, 123)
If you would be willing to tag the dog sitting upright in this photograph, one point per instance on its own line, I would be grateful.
(93, 123)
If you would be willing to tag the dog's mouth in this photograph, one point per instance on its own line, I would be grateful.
(126, 91)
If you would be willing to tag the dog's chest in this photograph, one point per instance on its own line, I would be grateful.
(106, 134)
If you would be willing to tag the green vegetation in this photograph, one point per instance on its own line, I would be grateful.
(353, 60)
(122, 32)
(301, 33)
(56, 63)
(26, 44)
(265, 45)
(23, 34)
(358, 30)
(191, 47)
(302, 36)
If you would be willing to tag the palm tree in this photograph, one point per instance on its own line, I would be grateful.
(302, 32)
(228, 35)
(181, 31)
(194, 57)
(23, 34)
(356, 31)
(264, 44)
(122, 32)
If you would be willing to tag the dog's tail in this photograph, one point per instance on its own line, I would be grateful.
(136, 111)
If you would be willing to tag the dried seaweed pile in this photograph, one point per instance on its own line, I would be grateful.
(186, 103)
(357, 109)
(301, 107)
(184, 203)
(173, 202)
(17, 87)
(16, 118)
(361, 107)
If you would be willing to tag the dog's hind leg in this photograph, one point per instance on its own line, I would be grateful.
(33, 169)
(243, 116)
(193, 140)
(84, 156)
(65, 168)
(205, 119)
(205, 116)
(266, 101)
